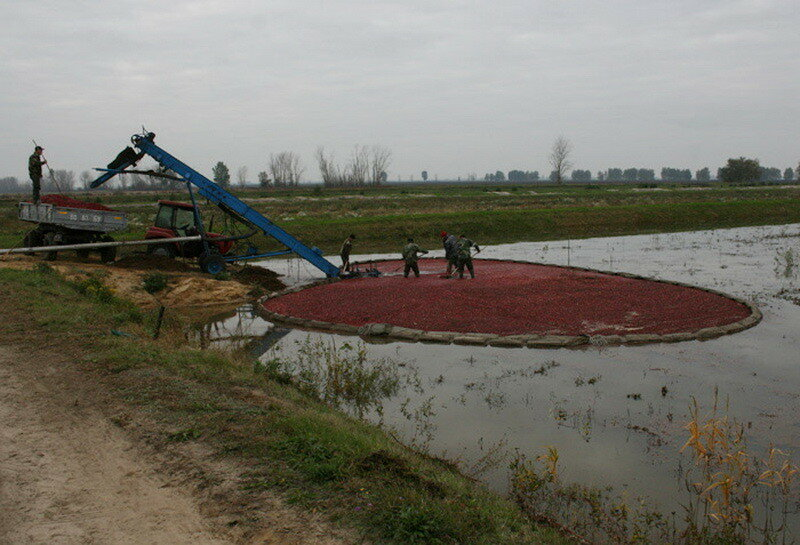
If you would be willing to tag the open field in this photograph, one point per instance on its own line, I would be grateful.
(383, 217)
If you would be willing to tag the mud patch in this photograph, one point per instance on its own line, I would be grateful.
(259, 277)
(148, 262)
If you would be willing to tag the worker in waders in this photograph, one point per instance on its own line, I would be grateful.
(464, 256)
(347, 247)
(450, 243)
(35, 162)
(411, 253)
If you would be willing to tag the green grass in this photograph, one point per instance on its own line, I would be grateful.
(292, 444)
(386, 233)
(383, 217)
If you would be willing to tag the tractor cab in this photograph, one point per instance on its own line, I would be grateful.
(177, 219)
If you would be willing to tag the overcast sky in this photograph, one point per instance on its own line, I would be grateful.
(452, 87)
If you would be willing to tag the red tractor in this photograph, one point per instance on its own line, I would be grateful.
(177, 219)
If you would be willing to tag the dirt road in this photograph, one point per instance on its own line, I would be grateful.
(70, 475)
(67, 475)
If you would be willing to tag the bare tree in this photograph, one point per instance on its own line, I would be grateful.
(286, 168)
(324, 165)
(379, 162)
(138, 182)
(365, 165)
(86, 179)
(241, 176)
(358, 169)
(296, 168)
(332, 175)
(559, 158)
(61, 180)
(10, 184)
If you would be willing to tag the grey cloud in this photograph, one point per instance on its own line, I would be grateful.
(452, 87)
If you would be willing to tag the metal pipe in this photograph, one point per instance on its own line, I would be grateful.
(90, 245)
(232, 258)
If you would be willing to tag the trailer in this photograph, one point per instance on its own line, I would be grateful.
(71, 225)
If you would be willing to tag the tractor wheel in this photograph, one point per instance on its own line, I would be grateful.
(33, 238)
(162, 250)
(211, 262)
(51, 238)
(109, 254)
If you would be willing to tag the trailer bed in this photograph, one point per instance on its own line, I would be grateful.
(79, 219)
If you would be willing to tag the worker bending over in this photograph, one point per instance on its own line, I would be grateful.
(464, 256)
(347, 247)
(35, 162)
(450, 243)
(411, 253)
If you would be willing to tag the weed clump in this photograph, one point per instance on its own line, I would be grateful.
(725, 482)
(94, 288)
(413, 524)
(154, 283)
(341, 376)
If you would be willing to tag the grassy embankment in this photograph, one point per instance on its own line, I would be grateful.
(289, 443)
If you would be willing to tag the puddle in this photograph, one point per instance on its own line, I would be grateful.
(616, 414)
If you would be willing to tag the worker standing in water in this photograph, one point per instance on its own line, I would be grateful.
(411, 253)
(347, 247)
(464, 256)
(35, 162)
(450, 243)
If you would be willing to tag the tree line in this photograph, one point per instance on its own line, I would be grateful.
(368, 166)
(365, 166)
(739, 170)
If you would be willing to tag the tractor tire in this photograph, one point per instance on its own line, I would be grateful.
(108, 255)
(162, 250)
(51, 238)
(211, 262)
(33, 238)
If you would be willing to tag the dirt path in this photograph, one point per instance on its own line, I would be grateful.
(68, 476)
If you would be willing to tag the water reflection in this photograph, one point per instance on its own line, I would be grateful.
(239, 330)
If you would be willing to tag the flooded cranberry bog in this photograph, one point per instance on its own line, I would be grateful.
(511, 303)
(615, 412)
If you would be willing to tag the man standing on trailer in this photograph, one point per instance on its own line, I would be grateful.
(347, 247)
(411, 253)
(35, 162)
(464, 256)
